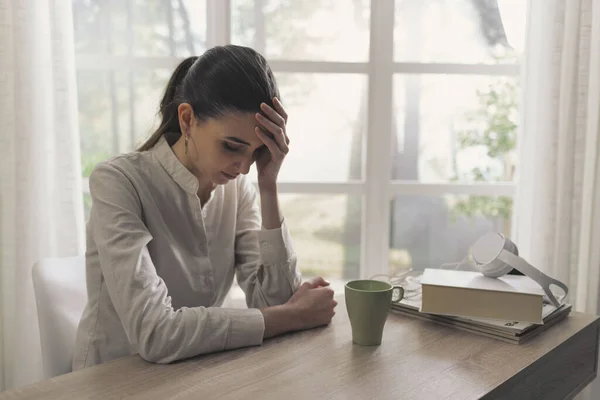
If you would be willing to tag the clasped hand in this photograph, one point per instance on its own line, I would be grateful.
(313, 304)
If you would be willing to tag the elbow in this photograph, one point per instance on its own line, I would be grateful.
(155, 357)
(155, 353)
(151, 357)
(153, 347)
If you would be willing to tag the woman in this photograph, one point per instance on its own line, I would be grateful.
(172, 223)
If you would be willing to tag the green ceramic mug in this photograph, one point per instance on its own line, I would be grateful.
(368, 303)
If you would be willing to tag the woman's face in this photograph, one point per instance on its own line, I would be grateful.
(221, 148)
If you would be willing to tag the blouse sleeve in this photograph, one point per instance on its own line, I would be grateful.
(265, 259)
(159, 332)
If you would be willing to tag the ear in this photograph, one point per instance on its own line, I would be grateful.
(185, 112)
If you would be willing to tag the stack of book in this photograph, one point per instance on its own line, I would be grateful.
(512, 308)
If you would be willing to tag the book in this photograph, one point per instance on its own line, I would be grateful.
(510, 331)
(470, 294)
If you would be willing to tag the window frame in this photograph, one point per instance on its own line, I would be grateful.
(377, 193)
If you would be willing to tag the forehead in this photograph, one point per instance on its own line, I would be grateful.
(240, 126)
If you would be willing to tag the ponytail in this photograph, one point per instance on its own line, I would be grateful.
(169, 104)
(223, 80)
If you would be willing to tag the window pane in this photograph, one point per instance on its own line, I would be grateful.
(455, 128)
(303, 30)
(327, 117)
(117, 110)
(325, 231)
(458, 31)
(140, 27)
(427, 232)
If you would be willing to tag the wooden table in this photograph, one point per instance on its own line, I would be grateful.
(417, 360)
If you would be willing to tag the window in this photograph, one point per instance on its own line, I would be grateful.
(403, 113)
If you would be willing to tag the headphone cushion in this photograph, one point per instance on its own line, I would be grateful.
(495, 269)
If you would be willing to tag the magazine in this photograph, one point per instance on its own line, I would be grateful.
(414, 304)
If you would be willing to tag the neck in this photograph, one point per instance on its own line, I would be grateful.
(205, 185)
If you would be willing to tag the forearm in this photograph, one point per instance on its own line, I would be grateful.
(269, 204)
(278, 320)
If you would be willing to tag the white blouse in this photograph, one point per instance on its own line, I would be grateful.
(159, 265)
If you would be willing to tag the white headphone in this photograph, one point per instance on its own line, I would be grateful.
(494, 255)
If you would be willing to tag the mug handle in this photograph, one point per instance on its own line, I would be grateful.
(400, 293)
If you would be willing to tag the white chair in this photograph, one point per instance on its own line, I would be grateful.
(61, 295)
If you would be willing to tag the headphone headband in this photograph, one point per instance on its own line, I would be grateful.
(493, 259)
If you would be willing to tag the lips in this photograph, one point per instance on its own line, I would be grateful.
(229, 176)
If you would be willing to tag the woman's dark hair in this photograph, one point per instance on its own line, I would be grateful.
(225, 79)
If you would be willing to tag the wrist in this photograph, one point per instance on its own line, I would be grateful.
(279, 320)
(292, 316)
(269, 204)
(267, 187)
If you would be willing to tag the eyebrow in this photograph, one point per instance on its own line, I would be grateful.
(237, 140)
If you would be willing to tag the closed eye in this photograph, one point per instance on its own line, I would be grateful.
(230, 147)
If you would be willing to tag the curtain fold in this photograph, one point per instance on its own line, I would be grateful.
(557, 208)
(589, 250)
(41, 207)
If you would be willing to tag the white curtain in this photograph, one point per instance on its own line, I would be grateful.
(40, 174)
(557, 210)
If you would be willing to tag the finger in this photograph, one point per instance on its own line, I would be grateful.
(276, 130)
(281, 111)
(279, 108)
(273, 115)
(270, 143)
(304, 287)
(276, 116)
(319, 281)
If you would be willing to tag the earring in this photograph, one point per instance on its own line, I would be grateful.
(186, 137)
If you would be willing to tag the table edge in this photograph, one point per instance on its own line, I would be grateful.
(594, 320)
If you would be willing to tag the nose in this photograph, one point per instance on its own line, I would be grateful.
(244, 165)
